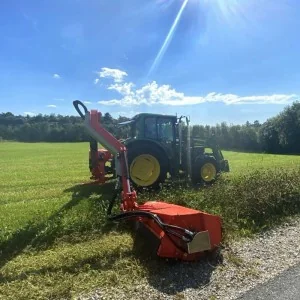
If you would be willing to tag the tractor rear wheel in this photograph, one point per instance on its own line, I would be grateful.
(147, 166)
(205, 170)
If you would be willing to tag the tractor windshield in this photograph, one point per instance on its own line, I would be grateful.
(165, 129)
(128, 129)
(150, 128)
(159, 129)
(134, 130)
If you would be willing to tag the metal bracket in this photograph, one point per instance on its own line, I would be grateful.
(200, 242)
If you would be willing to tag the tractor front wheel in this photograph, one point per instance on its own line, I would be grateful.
(147, 167)
(205, 170)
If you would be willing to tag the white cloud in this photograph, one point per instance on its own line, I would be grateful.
(51, 106)
(153, 93)
(230, 99)
(29, 113)
(124, 89)
(111, 102)
(96, 80)
(87, 102)
(116, 74)
(56, 76)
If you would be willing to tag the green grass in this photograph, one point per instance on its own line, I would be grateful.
(245, 162)
(54, 239)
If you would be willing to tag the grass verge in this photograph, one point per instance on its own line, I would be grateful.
(248, 203)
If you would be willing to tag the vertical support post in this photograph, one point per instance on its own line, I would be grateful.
(189, 162)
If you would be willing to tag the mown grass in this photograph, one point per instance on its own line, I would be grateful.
(54, 239)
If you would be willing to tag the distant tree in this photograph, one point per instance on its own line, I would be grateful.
(256, 124)
(268, 136)
(288, 127)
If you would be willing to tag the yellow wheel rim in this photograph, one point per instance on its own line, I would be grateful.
(208, 172)
(144, 170)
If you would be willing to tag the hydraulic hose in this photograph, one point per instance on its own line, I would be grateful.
(165, 227)
(187, 235)
(78, 103)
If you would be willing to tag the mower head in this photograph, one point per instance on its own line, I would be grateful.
(182, 233)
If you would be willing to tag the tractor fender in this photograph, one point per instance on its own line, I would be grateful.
(151, 144)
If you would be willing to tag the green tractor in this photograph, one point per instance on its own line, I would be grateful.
(161, 147)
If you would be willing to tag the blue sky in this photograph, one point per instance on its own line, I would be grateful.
(215, 60)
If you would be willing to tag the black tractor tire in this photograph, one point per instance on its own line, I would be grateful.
(205, 170)
(155, 162)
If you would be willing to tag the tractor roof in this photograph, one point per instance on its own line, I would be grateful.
(141, 115)
(153, 115)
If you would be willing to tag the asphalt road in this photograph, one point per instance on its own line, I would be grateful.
(285, 286)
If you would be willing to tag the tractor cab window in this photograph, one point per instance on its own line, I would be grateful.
(150, 128)
(165, 129)
(134, 130)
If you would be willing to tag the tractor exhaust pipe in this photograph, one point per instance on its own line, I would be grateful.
(189, 162)
(188, 143)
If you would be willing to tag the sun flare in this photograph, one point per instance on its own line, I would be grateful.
(168, 38)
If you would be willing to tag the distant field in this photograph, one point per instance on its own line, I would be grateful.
(53, 241)
(242, 162)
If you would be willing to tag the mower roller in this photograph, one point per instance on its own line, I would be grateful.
(183, 233)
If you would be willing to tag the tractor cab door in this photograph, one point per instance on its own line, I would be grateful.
(150, 130)
(166, 134)
(166, 130)
(161, 129)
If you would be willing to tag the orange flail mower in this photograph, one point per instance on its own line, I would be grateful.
(183, 233)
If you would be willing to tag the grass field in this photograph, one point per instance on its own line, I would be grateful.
(55, 242)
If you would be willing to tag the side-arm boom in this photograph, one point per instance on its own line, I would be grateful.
(106, 139)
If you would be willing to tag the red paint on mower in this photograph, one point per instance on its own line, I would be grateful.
(190, 219)
(98, 159)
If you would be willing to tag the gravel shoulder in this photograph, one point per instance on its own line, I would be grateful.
(246, 263)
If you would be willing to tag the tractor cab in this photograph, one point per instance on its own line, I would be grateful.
(153, 127)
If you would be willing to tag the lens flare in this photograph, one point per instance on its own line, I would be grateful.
(168, 39)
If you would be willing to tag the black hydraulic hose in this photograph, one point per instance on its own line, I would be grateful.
(114, 197)
(123, 157)
(136, 213)
(78, 103)
(187, 232)
(163, 226)
(112, 203)
(93, 144)
(126, 164)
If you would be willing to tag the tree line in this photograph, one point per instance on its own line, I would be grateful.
(52, 128)
(280, 134)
